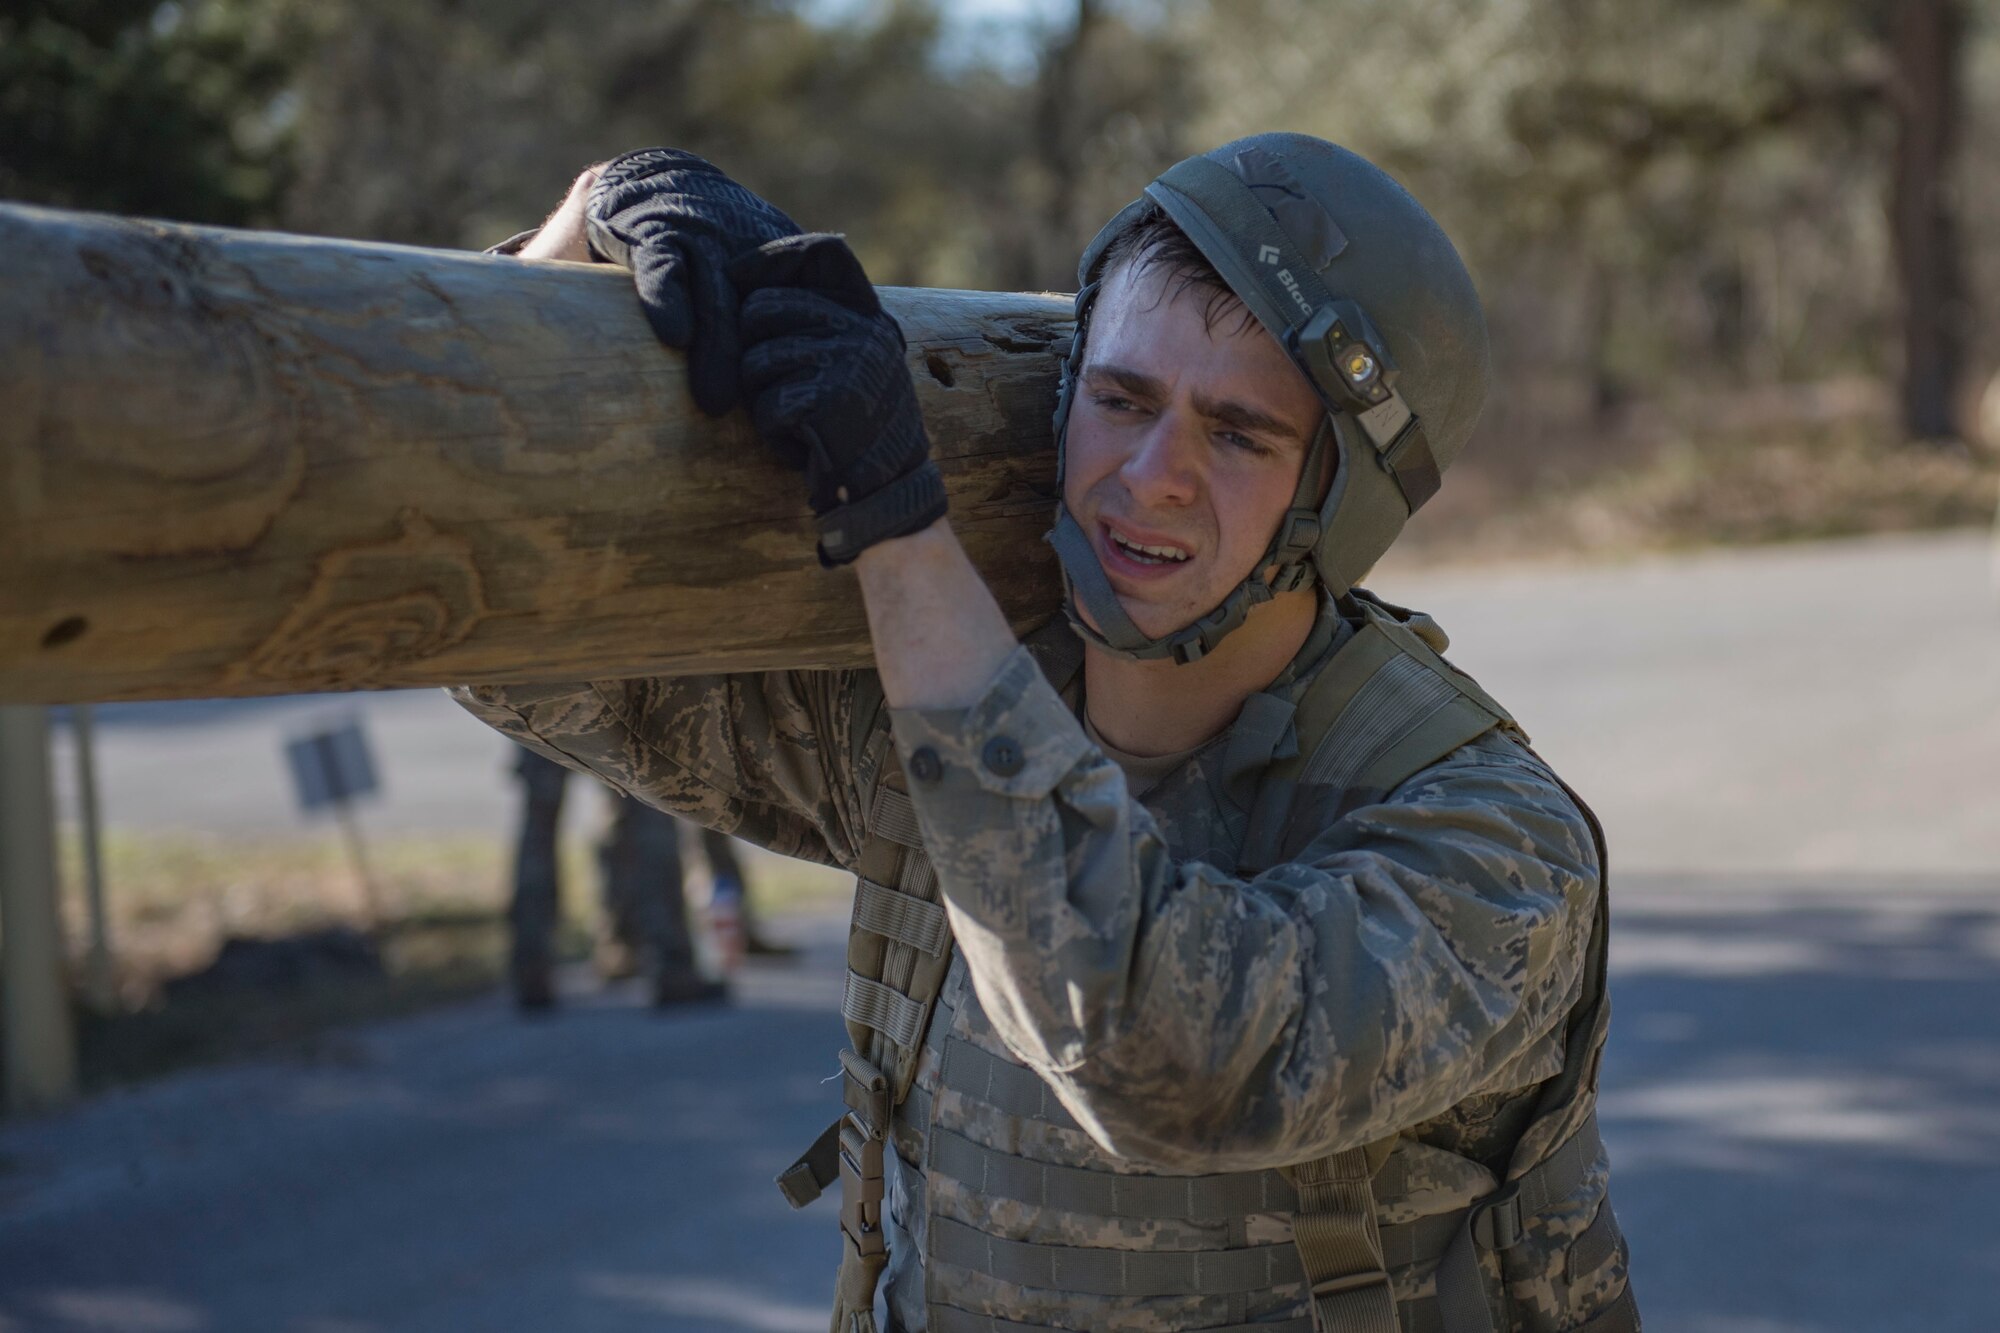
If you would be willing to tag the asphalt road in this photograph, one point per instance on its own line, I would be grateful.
(1798, 755)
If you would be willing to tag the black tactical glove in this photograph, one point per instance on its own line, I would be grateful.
(676, 222)
(829, 392)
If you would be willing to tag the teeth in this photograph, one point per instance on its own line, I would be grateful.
(1155, 553)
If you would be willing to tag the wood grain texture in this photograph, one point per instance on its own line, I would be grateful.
(237, 463)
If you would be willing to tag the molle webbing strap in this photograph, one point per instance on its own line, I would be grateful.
(901, 917)
(1011, 1088)
(1339, 1246)
(1096, 1272)
(1075, 1189)
(883, 1008)
(1598, 1243)
(1400, 697)
(892, 816)
(1498, 1221)
(1382, 711)
(1622, 1317)
(951, 1319)
(1388, 619)
(864, 1249)
(895, 963)
(898, 945)
(807, 1179)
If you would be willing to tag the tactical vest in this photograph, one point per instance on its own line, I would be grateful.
(1385, 708)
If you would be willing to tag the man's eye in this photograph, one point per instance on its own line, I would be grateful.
(1243, 442)
(1112, 402)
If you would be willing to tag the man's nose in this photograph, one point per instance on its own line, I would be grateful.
(1164, 468)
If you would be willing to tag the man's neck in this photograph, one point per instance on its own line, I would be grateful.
(1162, 707)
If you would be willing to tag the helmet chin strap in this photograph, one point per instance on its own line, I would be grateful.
(1086, 587)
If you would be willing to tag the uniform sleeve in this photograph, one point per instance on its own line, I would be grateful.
(1419, 951)
(774, 758)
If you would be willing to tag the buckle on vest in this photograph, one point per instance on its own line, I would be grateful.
(1499, 1226)
(1347, 1282)
(861, 1189)
(866, 1092)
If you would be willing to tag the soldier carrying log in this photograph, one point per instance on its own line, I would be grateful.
(1222, 957)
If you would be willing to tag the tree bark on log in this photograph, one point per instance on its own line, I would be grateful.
(238, 463)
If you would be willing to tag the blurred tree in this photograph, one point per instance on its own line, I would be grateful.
(172, 109)
(1927, 37)
(1658, 196)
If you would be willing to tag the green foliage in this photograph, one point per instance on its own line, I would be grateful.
(1655, 195)
(143, 107)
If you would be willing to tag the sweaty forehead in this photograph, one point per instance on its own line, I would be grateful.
(1151, 320)
(1149, 282)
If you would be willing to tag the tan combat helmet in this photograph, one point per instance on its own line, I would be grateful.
(1369, 298)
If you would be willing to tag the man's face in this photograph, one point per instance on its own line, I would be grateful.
(1181, 437)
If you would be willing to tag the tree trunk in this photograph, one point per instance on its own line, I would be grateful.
(1927, 43)
(235, 463)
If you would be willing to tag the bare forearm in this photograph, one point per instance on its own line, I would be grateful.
(939, 635)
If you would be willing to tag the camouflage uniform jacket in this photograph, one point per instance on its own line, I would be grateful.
(1124, 1005)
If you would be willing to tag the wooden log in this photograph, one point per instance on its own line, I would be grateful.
(235, 463)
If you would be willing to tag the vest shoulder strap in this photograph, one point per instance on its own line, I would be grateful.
(899, 949)
(1383, 710)
(1386, 708)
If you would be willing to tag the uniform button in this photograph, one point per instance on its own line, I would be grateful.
(925, 765)
(1002, 756)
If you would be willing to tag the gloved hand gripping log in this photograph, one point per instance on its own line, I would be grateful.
(785, 321)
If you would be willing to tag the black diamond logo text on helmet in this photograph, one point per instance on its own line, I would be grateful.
(1291, 285)
(1268, 254)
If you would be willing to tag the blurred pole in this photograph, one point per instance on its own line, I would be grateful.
(357, 851)
(37, 1039)
(98, 982)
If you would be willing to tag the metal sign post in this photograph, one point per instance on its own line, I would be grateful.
(99, 982)
(329, 769)
(38, 1041)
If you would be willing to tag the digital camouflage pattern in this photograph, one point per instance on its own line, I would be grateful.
(1124, 1004)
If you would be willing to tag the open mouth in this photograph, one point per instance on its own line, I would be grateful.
(1145, 554)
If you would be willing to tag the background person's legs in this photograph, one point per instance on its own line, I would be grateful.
(641, 860)
(535, 907)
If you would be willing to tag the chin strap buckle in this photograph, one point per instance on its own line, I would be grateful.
(1291, 577)
(1301, 533)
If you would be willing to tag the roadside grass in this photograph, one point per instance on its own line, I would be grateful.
(1819, 462)
(174, 900)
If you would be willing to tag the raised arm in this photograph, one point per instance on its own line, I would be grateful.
(1422, 949)
(772, 758)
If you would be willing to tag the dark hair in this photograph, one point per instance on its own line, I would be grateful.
(1152, 240)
